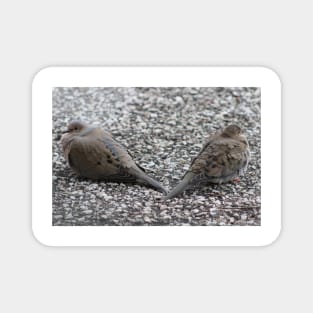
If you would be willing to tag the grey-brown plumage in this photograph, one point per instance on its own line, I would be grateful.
(93, 153)
(225, 155)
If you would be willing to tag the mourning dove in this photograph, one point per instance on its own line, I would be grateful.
(225, 155)
(93, 153)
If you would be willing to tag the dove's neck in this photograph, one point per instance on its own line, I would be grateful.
(87, 131)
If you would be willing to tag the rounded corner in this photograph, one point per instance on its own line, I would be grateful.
(271, 73)
(38, 239)
(42, 72)
(273, 239)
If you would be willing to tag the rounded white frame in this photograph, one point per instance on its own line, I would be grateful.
(51, 235)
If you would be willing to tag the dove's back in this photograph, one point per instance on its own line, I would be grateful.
(221, 160)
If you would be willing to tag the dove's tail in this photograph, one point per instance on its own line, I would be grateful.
(150, 181)
(181, 186)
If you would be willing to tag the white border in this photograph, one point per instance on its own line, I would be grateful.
(51, 77)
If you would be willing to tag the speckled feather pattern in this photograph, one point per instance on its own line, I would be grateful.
(222, 159)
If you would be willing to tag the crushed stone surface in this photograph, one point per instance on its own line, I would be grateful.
(164, 129)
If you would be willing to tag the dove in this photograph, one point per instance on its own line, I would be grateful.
(93, 153)
(224, 156)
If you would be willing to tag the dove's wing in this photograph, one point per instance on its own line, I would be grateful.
(100, 158)
(220, 160)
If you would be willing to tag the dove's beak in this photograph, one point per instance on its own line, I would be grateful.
(65, 131)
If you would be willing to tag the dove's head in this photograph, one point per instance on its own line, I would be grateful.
(232, 130)
(75, 127)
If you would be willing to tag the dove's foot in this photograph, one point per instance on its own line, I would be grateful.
(236, 180)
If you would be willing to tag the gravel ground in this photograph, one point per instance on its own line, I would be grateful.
(163, 128)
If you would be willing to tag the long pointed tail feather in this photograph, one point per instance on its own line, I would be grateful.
(149, 180)
(180, 187)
